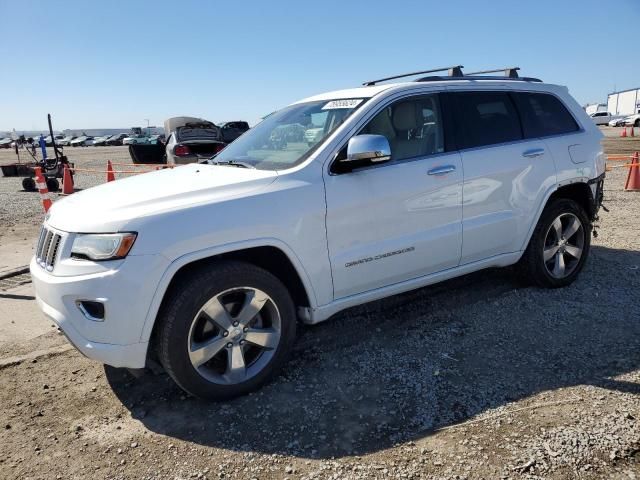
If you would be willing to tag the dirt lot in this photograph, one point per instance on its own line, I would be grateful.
(20, 208)
(479, 377)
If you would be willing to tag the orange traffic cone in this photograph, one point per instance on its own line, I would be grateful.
(110, 175)
(624, 133)
(41, 183)
(67, 181)
(631, 133)
(633, 178)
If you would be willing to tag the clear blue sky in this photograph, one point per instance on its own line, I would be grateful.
(116, 63)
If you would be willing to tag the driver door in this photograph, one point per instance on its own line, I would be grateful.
(397, 221)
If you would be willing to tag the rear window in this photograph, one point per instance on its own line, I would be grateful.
(197, 131)
(543, 115)
(486, 118)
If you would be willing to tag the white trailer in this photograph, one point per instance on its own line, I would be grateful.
(595, 108)
(626, 102)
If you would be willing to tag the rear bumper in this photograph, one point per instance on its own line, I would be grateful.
(597, 190)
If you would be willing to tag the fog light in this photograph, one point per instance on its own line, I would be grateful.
(92, 310)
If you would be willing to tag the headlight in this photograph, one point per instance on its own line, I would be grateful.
(108, 246)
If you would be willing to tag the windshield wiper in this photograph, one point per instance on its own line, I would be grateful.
(232, 163)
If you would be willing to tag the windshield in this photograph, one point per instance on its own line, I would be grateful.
(287, 137)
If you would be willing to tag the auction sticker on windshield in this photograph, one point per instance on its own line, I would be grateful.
(346, 103)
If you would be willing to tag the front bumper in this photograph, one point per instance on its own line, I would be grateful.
(126, 292)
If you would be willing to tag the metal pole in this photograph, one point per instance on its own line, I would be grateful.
(53, 139)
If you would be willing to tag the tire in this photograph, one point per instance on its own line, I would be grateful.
(29, 184)
(184, 326)
(636, 123)
(53, 185)
(555, 273)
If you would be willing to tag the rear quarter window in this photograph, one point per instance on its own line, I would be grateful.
(544, 114)
(485, 118)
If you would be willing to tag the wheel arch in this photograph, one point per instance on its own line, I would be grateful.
(270, 254)
(578, 191)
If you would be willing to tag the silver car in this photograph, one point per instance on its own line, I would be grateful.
(191, 140)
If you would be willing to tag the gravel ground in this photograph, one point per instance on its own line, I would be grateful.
(18, 207)
(478, 377)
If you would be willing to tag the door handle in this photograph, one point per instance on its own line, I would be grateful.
(444, 169)
(534, 152)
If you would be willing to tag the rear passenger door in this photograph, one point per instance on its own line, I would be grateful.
(546, 118)
(505, 175)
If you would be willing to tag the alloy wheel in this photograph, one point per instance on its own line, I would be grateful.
(563, 245)
(234, 335)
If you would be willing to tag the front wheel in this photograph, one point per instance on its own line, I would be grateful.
(226, 330)
(559, 246)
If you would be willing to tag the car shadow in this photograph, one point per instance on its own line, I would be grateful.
(399, 368)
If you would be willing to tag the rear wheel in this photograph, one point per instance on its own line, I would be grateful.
(53, 185)
(226, 330)
(559, 246)
(636, 123)
(29, 184)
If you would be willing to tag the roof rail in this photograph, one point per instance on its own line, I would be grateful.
(455, 71)
(509, 72)
(478, 77)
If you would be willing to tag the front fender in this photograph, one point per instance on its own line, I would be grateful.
(186, 259)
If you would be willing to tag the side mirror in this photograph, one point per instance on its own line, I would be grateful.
(374, 148)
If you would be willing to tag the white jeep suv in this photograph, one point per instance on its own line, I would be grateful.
(209, 267)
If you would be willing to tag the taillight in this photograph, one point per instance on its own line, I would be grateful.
(181, 150)
(219, 147)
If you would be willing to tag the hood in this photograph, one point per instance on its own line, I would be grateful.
(114, 206)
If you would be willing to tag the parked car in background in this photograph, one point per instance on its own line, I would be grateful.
(191, 140)
(6, 142)
(116, 139)
(313, 135)
(616, 122)
(63, 142)
(101, 141)
(284, 135)
(633, 120)
(155, 139)
(135, 139)
(603, 118)
(48, 141)
(82, 141)
(232, 130)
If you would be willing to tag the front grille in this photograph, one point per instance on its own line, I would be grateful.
(47, 248)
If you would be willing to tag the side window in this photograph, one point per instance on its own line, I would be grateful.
(413, 127)
(543, 114)
(486, 118)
